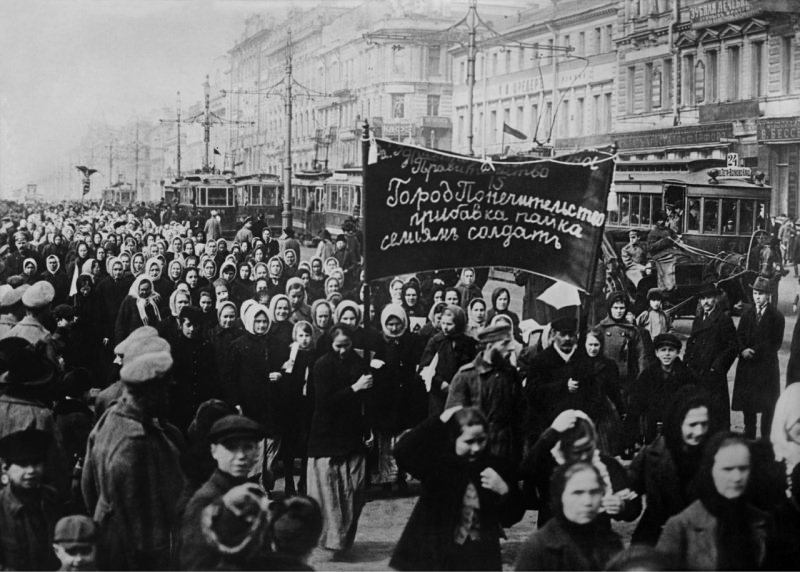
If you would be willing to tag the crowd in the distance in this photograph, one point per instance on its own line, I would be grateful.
(171, 399)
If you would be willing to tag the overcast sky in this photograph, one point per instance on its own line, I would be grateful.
(66, 63)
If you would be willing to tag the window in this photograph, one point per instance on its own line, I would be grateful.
(693, 216)
(463, 71)
(535, 121)
(520, 119)
(712, 76)
(630, 89)
(635, 202)
(548, 118)
(597, 116)
(566, 40)
(711, 216)
(434, 60)
(608, 112)
(729, 208)
(646, 214)
(609, 36)
(579, 116)
(597, 38)
(460, 134)
(433, 105)
(746, 217)
(757, 75)
(581, 51)
(508, 60)
(700, 82)
(494, 64)
(398, 66)
(734, 73)
(656, 92)
(648, 86)
(625, 209)
(493, 125)
(564, 119)
(551, 55)
(398, 106)
(787, 63)
(521, 58)
(687, 89)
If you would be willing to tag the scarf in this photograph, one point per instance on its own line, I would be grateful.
(736, 546)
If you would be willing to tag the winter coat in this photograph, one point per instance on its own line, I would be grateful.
(428, 454)
(221, 340)
(553, 548)
(758, 380)
(26, 532)
(111, 293)
(691, 537)
(128, 319)
(624, 344)
(497, 392)
(793, 368)
(31, 330)
(196, 379)
(712, 346)
(195, 551)
(296, 390)
(60, 283)
(653, 472)
(246, 380)
(337, 426)
(132, 484)
(453, 353)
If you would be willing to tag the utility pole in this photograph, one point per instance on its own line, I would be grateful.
(286, 215)
(110, 162)
(136, 164)
(178, 123)
(207, 124)
(471, 53)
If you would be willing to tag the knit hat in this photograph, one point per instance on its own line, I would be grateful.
(39, 295)
(146, 367)
(496, 333)
(137, 334)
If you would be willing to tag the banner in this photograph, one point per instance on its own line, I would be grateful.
(513, 132)
(428, 210)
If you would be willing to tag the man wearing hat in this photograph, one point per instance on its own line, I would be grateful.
(37, 300)
(24, 250)
(75, 543)
(11, 308)
(234, 446)
(132, 478)
(212, 227)
(244, 234)
(757, 383)
(492, 384)
(711, 350)
(634, 257)
(291, 243)
(654, 387)
(29, 510)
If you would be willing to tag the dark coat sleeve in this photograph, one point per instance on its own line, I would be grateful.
(729, 346)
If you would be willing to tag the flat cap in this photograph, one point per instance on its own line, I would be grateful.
(11, 296)
(655, 294)
(24, 447)
(494, 333)
(75, 530)
(669, 340)
(235, 427)
(39, 295)
(146, 367)
(137, 334)
(564, 324)
(145, 346)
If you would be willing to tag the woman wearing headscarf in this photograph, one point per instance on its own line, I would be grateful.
(208, 271)
(222, 252)
(476, 317)
(137, 264)
(227, 271)
(222, 335)
(572, 438)
(413, 304)
(280, 331)
(500, 302)
(721, 530)
(75, 260)
(86, 331)
(604, 406)
(664, 469)
(466, 287)
(54, 274)
(431, 327)
(577, 538)
(316, 282)
(785, 432)
(242, 285)
(450, 349)
(290, 260)
(276, 280)
(30, 270)
(169, 328)
(260, 271)
(92, 268)
(139, 308)
(349, 313)
(322, 314)
(162, 285)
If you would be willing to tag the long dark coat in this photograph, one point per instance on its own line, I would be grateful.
(26, 532)
(133, 484)
(428, 454)
(453, 352)
(196, 379)
(497, 392)
(758, 380)
(793, 369)
(128, 318)
(60, 283)
(625, 344)
(111, 293)
(221, 339)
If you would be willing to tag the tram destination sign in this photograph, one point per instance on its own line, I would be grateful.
(427, 210)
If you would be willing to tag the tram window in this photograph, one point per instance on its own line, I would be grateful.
(658, 205)
(345, 196)
(231, 197)
(646, 214)
(635, 209)
(761, 214)
(333, 197)
(693, 216)
(216, 197)
(729, 208)
(711, 215)
(624, 209)
(201, 199)
(746, 217)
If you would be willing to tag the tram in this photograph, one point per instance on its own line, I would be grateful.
(208, 192)
(308, 200)
(259, 194)
(119, 194)
(343, 198)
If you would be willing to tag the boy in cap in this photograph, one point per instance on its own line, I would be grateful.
(757, 383)
(75, 543)
(28, 509)
(492, 384)
(654, 320)
(234, 446)
(654, 387)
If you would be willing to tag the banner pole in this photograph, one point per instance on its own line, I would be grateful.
(364, 163)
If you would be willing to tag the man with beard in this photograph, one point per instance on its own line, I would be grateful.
(24, 250)
(710, 352)
(492, 384)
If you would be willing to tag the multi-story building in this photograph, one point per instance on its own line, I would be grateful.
(550, 75)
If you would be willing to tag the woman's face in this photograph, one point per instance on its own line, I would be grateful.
(275, 267)
(227, 317)
(258, 255)
(323, 316)
(332, 285)
(176, 245)
(150, 239)
(206, 303)
(260, 324)
(471, 442)
(174, 271)
(396, 291)
(181, 301)
(155, 271)
(582, 497)
(221, 292)
(144, 289)
(86, 289)
(451, 297)
(296, 297)
(52, 264)
(316, 267)
(244, 272)
(261, 272)
(29, 268)
(303, 339)
(330, 266)
(192, 277)
(438, 296)
(618, 310)
(116, 270)
(290, 257)
(282, 310)
(228, 273)
(502, 301)
(188, 248)
(95, 269)
(138, 264)
(695, 426)
(341, 345)
(349, 318)
(593, 346)
(306, 278)
(731, 470)
(411, 297)
(208, 269)
(394, 326)
(468, 277)
(100, 254)
(83, 251)
(447, 324)
(477, 313)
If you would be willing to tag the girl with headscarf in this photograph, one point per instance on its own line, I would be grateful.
(222, 252)
(316, 282)
(604, 404)
(466, 287)
(396, 290)
(223, 334)
(227, 271)
(139, 308)
(450, 349)
(242, 286)
(191, 277)
(101, 255)
(30, 270)
(137, 264)
(321, 322)
(170, 327)
(296, 291)
(413, 304)
(280, 332)
(92, 268)
(577, 538)
(476, 317)
(397, 400)
(54, 274)
(276, 279)
(208, 271)
(209, 313)
(501, 300)
(75, 261)
(222, 292)
(721, 530)
(349, 313)
(296, 389)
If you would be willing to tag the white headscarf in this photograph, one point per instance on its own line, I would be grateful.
(249, 314)
(787, 413)
(393, 310)
(142, 303)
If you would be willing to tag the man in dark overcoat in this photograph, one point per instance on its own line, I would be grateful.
(757, 384)
(710, 351)
(132, 479)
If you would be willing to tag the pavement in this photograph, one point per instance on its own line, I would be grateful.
(386, 514)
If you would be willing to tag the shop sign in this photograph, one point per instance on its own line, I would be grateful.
(674, 137)
(720, 11)
(779, 129)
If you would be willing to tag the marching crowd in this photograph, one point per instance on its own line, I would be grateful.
(155, 379)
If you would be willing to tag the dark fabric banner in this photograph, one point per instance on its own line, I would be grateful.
(428, 210)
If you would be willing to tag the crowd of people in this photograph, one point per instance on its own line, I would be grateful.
(159, 383)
